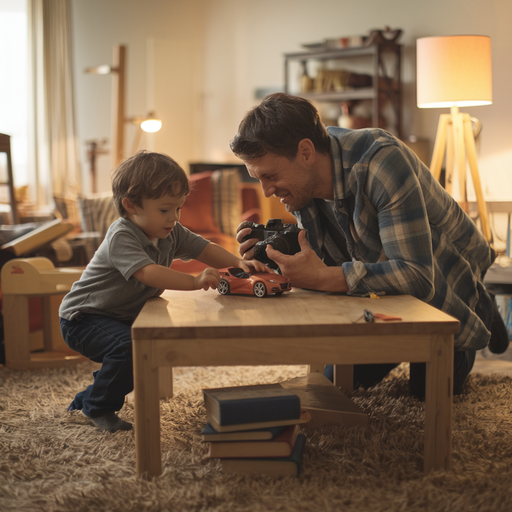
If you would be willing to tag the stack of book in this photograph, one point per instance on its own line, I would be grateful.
(255, 429)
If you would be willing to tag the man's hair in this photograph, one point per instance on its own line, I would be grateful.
(277, 125)
(147, 176)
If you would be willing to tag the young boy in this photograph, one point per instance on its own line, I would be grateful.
(130, 266)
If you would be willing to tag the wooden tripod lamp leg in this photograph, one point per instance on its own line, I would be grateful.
(450, 159)
(460, 159)
(461, 143)
(473, 165)
(439, 146)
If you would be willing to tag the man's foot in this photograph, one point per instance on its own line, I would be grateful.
(111, 422)
(329, 372)
(74, 407)
(499, 335)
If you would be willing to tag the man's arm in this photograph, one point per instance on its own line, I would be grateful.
(391, 216)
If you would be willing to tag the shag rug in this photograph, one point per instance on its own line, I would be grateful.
(54, 460)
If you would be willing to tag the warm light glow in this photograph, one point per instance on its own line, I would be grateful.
(105, 69)
(151, 125)
(453, 71)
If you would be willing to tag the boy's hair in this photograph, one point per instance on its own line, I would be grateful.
(147, 176)
(277, 125)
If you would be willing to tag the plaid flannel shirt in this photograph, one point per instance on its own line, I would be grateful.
(404, 233)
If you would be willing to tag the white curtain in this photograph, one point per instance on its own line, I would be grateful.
(54, 165)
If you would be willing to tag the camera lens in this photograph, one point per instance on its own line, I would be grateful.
(261, 255)
(282, 244)
(286, 243)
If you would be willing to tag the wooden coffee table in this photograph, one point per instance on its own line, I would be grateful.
(183, 328)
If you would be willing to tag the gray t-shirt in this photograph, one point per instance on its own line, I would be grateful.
(107, 286)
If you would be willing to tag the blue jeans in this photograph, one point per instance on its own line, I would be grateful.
(367, 375)
(109, 342)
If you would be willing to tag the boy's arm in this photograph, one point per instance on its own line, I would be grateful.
(216, 256)
(160, 277)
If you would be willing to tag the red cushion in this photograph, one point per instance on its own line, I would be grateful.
(196, 213)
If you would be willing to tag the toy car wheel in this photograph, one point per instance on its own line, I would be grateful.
(223, 287)
(260, 289)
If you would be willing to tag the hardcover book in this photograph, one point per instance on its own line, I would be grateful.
(263, 434)
(281, 446)
(327, 404)
(305, 417)
(265, 404)
(36, 238)
(282, 466)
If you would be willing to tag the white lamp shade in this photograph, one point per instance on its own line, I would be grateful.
(453, 71)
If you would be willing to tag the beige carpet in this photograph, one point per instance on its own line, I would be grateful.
(52, 460)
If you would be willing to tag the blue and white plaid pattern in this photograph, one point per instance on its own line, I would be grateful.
(404, 232)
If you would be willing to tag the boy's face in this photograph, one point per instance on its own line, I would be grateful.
(157, 217)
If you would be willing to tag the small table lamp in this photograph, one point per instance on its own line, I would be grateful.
(455, 71)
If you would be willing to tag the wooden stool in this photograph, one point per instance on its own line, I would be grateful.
(35, 277)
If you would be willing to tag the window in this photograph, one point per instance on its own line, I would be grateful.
(14, 86)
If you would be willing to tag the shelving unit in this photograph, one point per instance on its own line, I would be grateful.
(5, 147)
(381, 60)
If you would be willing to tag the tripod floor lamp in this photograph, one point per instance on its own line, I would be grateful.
(453, 72)
(148, 124)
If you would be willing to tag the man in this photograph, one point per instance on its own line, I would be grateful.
(376, 221)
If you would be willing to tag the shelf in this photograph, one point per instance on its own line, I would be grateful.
(356, 51)
(365, 93)
(384, 67)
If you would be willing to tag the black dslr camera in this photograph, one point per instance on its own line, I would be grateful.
(282, 237)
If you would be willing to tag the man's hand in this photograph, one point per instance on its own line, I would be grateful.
(306, 270)
(246, 248)
(208, 278)
(252, 266)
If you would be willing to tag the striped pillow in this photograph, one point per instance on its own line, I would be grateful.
(226, 200)
(97, 213)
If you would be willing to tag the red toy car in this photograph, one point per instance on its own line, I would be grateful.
(236, 280)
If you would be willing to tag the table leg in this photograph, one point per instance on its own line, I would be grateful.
(147, 411)
(16, 329)
(316, 368)
(438, 405)
(344, 377)
(165, 378)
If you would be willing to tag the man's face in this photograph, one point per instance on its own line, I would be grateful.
(292, 182)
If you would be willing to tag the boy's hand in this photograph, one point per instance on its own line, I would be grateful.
(252, 265)
(208, 278)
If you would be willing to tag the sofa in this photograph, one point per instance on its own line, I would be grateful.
(217, 203)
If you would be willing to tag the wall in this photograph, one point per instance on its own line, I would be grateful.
(267, 29)
(237, 46)
(164, 73)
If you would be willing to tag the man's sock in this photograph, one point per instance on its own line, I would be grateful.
(111, 422)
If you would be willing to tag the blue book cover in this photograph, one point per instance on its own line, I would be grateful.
(261, 403)
(283, 466)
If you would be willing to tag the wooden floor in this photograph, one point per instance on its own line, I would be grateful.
(487, 362)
